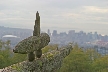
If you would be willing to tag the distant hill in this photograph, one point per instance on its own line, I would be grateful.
(6, 32)
(13, 29)
(22, 33)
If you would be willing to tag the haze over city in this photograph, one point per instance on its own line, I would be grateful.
(61, 15)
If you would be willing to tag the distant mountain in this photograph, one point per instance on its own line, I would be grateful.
(2, 28)
(22, 33)
(15, 35)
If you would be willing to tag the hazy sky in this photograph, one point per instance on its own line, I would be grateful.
(86, 15)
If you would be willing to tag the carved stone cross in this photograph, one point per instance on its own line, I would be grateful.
(33, 43)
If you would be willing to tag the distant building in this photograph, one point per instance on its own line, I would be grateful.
(54, 33)
(81, 32)
(48, 32)
(9, 36)
(14, 39)
(63, 34)
(71, 32)
(95, 36)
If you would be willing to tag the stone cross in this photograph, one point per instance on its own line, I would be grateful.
(33, 43)
(48, 62)
(36, 31)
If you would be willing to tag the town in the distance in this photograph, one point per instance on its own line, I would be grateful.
(84, 40)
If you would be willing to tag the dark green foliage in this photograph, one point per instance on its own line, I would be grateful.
(7, 57)
(101, 64)
(49, 48)
(77, 61)
(88, 61)
(31, 56)
(38, 53)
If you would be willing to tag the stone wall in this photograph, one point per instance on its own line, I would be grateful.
(49, 62)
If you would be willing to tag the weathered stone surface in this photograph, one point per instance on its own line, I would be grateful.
(31, 56)
(49, 62)
(27, 45)
(45, 39)
(32, 44)
(39, 53)
(36, 31)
